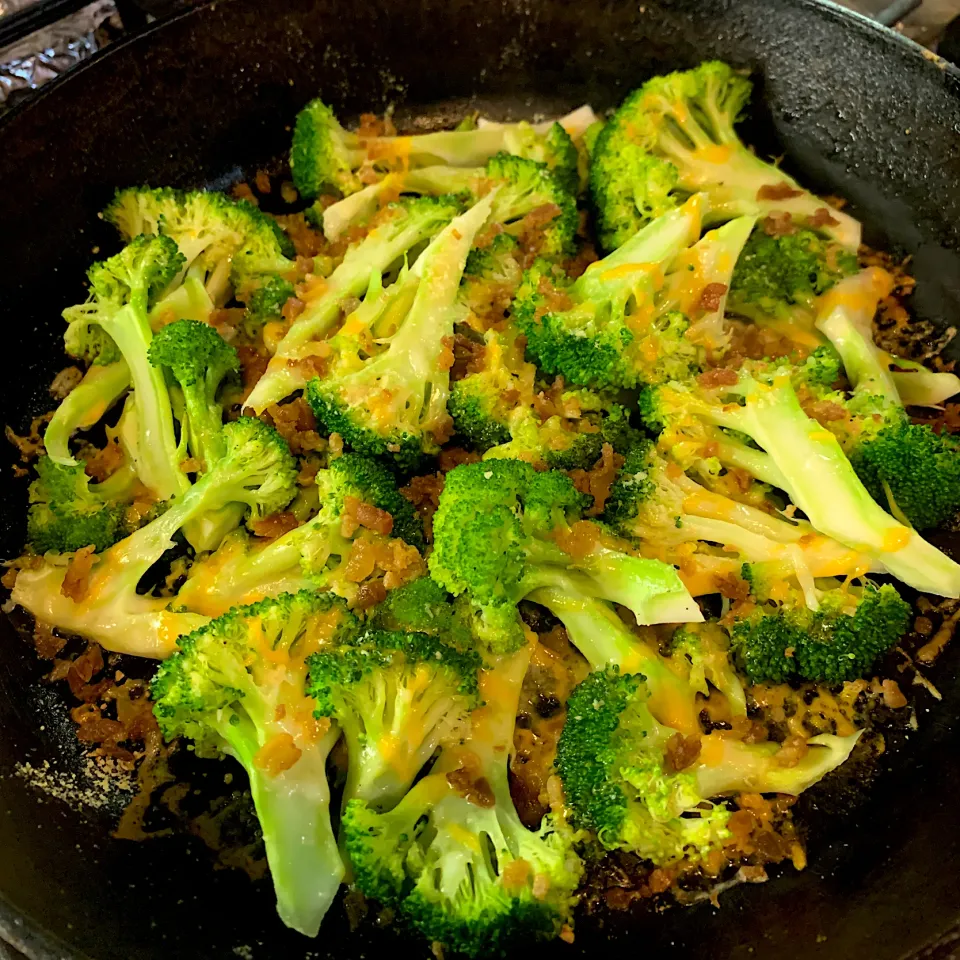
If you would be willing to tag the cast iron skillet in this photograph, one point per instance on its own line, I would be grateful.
(208, 97)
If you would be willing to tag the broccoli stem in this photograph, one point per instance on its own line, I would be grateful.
(159, 456)
(383, 246)
(920, 386)
(83, 407)
(293, 809)
(844, 316)
(821, 481)
(599, 634)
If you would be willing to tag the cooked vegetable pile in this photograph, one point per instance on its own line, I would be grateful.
(596, 400)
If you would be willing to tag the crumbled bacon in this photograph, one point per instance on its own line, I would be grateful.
(104, 463)
(468, 357)
(822, 218)
(262, 181)
(825, 411)
(253, 365)
(778, 191)
(454, 457)
(711, 297)
(732, 587)
(370, 594)
(292, 308)
(468, 784)
(892, 695)
(295, 422)
(275, 525)
(76, 581)
(718, 377)
(446, 358)
(598, 481)
(65, 382)
(778, 225)
(242, 191)
(30, 446)
(356, 514)
(681, 752)
(554, 299)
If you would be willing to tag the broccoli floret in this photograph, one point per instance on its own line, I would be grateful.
(266, 302)
(498, 535)
(325, 156)
(623, 323)
(313, 554)
(779, 637)
(122, 291)
(223, 241)
(389, 399)
(199, 359)
(780, 277)
(84, 407)
(397, 696)
(674, 137)
(236, 687)
(653, 500)
(611, 760)
(256, 469)
(421, 606)
(800, 457)
(453, 857)
(408, 224)
(906, 466)
(65, 514)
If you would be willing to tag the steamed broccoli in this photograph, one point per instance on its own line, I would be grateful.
(674, 137)
(777, 637)
(122, 291)
(256, 469)
(453, 857)
(389, 398)
(619, 783)
(314, 554)
(405, 226)
(501, 410)
(199, 359)
(397, 696)
(502, 530)
(797, 455)
(266, 302)
(905, 465)
(647, 313)
(66, 514)
(325, 156)
(779, 278)
(524, 186)
(236, 687)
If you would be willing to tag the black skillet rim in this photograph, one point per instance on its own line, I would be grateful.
(20, 932)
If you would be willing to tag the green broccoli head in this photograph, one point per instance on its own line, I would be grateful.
(554, 148)
(266, 301)
(777, 639)
(421, 606)
(66, 515)
(323, 156)
(775, 275)
(611, 760)
(397, 695)
(142, 270)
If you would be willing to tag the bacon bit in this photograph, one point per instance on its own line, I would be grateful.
(578, 265)
(253, 365)
(30, 446)
(892, 695)
(83, 668)
(554, 300)
(369, 516)
(455, 457)
(279, 753)
(487, 235)
(370, 594)
(659, 881)
(106, 462)
(371, 126)
(362, 561)
(566, 933)
(778, 225)
(48, 644)
(468, 357)
(598, 481)
(578, 540)
(923, 626)
(515, 875)
(275, 525)
(65, 382)
(732, 587)
(720, 377)
(473, 789)
(681, 752)
(446, 358)
(424, 493)
(295, 422)
(225, 321)
(778, 191)
(442, 430)
(530, 230)
(292, 309)
(711, 297)
(242, 191)
(947, 419)
(822, 218)
(262, 181)
(76, 581)
(549, 403)
(933, 648)
(791, 751)
(289, 195)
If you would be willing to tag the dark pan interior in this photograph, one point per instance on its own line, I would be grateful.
(206, 98)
